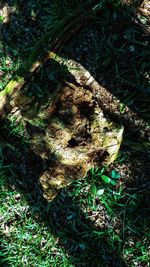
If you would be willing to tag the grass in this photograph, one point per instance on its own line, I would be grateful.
(25, 240)
(8, 64)
(102, 220)
(38, 234)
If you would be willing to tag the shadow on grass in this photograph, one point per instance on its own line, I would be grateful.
(120, 63)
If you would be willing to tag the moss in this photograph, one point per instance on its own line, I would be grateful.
(15, 83)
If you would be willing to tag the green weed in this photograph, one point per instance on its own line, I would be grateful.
(17, 128)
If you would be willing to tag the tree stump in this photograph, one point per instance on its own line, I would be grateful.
(69, 129)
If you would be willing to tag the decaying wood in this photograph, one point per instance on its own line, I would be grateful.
(70, 130)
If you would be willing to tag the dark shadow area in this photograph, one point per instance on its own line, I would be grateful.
(21, 28)
(115, 50)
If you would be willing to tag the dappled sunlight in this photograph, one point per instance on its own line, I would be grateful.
(99, 62)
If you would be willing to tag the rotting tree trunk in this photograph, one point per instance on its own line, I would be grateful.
(70, 129)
